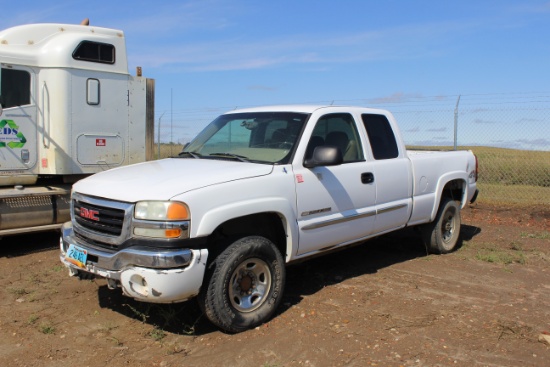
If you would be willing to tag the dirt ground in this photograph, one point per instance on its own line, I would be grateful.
(384, 303)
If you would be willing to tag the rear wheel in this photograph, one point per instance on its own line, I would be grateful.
(442, 235)
(244, 284)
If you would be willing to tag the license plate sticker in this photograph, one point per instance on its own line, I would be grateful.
(77, 256)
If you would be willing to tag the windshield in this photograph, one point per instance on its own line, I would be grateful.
(263, 137)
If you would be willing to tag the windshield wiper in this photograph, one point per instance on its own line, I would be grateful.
(191, 154)
(241, 158)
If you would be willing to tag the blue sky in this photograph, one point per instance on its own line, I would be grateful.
(209, 56)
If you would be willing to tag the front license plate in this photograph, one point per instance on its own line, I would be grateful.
(77, 256)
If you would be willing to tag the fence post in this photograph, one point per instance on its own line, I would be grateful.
(456, 122)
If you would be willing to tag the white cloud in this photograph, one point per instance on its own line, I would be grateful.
(241, 52)
(398, 97)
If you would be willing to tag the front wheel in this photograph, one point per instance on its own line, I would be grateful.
(244, 285)
(441, 236)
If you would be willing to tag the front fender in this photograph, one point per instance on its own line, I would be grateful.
(221, 214)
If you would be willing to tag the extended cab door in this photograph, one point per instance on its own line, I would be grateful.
(335, 203)
(18, 121)
(392, 173)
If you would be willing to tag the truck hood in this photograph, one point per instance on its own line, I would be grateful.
(166, 178)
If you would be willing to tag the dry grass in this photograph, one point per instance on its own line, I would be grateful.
(507, 176)
(168, 150)
(511, 176)
(517, 195)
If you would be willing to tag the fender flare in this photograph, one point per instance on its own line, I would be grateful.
(219, 215)
(442, 183)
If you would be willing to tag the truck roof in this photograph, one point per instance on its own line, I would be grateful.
(307, 109)
(52, 45)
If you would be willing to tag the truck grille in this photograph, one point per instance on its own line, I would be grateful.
(98, 218)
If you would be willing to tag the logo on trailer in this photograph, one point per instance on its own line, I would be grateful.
(100, 142)
(89, 214)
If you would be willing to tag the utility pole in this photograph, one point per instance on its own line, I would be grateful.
(171, 121)
(158, 134)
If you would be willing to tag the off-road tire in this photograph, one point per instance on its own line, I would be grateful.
(442, 235)
(244, 285)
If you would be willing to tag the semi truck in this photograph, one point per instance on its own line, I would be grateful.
(69, 108)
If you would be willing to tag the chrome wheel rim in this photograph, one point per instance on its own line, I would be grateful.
(448, 226)
(249, 285)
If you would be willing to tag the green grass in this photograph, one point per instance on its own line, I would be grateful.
(47, 328)
(157, 334)
(32, 319)
(143, 316)
(492, 254)
(19, 291)
(544, 235)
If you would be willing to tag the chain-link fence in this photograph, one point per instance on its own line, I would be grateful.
(509, 133)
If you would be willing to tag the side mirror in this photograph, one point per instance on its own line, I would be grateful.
(324, 156)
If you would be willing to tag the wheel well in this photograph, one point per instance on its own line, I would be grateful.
(454, 189)
(268, 225)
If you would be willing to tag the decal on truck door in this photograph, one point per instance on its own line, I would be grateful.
(10, 135)
(18, 123)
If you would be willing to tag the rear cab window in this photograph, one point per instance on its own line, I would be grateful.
(381, 136)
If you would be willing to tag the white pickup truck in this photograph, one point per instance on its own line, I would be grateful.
(256, 189)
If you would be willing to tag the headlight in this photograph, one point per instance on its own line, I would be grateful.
(161, 210)
(161, 219)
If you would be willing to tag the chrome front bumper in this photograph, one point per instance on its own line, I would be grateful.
(163, 276)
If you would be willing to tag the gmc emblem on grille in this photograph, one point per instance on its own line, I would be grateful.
(89, 214)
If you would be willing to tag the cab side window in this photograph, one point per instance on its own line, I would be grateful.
(381, 136)
(338, 130)
(15, 88)
(103, 53)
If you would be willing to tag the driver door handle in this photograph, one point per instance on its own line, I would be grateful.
(367, 177)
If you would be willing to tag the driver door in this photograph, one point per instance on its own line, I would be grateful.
(335, 203)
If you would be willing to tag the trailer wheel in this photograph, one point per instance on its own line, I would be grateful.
(244, 284)
(442, 235)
